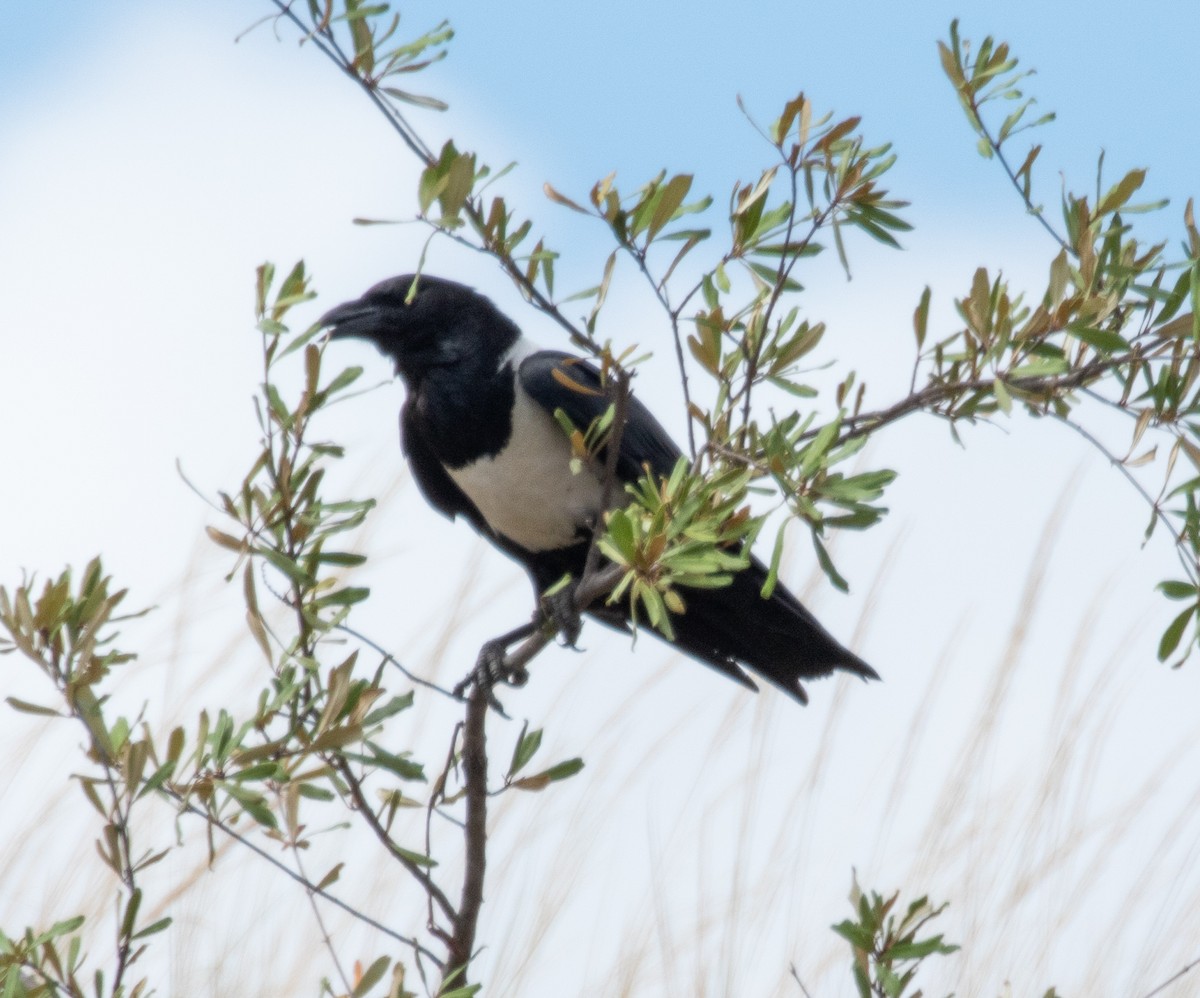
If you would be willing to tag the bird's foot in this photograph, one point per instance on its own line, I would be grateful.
(492, 668)
(558, 608)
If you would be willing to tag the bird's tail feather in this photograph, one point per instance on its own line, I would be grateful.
(776, 638)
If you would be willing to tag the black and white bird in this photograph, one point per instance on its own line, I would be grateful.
(479, 432)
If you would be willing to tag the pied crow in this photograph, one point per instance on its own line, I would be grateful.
(479, 432)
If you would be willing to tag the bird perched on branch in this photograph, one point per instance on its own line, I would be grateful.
(479, 431)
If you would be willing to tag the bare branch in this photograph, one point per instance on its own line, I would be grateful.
(474, 760)
(1171, 980)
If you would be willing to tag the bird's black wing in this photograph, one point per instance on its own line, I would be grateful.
(725, 628)
(438, 488)
(561, 381)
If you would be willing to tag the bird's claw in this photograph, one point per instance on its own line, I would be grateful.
(560, 610)
(492, 668)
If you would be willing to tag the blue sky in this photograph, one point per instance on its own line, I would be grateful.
(148, 163)
(639, 86)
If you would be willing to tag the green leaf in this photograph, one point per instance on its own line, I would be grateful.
(1177, 590)
(343, 380)
(827, 567)
(920, 949)
(1121, 192)
(889, 980)
(1003, 398)
(1174, 633)
(540, 781)
(1039, 367)
(875, 231)
(921, 317)
(670, 199)
(855, 935)
(63, 928)
(344, 597)
(331, 877)
(527, 744)
(565, 770)
(287, 566)
(1104, 340)
(562, 199)
(371, 976)
(25, 707)
(292, 290)
(268, 770)
(793, 387)
(1011, 121)
(264, 275)
(278, 407)
(1060, 273)
(403, 767)
(467, 991)
(389, 709)
(768, 586)
(620, 529)
(157, 779)
(252, 803)
(417, 858)
(814, 454)
(343, 558)
(771, 274)
(150, 930)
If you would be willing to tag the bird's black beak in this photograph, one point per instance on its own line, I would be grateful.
(352, 319)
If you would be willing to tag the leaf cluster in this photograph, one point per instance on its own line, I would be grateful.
(1116, 324)
(1116, 327)
(884, 943)
(680, 532)
(68, 629)
(888, 945)
(318, 744)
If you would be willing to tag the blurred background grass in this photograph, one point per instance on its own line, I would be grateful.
(708, 845)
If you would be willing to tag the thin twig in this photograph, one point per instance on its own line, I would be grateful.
(1188, 567)
(323, 38)
(217, 823)
(381, 833)
(931, 396)
(325, 937)
(389, 657)
(439, 791)
(680, 360)
(796, 978)
(782, 275)
(123, 852)
(118, 817)
(1167, 983)
(1029, 205)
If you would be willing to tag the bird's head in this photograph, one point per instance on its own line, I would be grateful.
(436, 324)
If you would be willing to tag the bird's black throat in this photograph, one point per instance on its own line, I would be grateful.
(465, 417)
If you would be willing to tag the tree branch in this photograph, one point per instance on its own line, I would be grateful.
(474, 760)
(322, 36)
(381, 833)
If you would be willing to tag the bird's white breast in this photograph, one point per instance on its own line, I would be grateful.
(527, 492)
